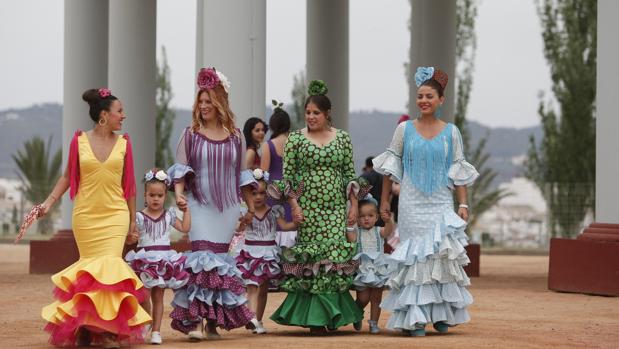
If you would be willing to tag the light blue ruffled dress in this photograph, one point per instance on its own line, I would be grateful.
(429, 285)
(374, 265)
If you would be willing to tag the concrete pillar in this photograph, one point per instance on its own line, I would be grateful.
(433, 43)
(607, 123)
(327, 53)
(132, 76)
(231, 36)
(85, 66)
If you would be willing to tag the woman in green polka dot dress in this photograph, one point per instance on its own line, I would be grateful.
(319, 268)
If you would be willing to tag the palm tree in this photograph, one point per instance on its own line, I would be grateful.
(38, 174)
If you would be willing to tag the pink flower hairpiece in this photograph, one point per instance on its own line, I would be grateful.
(104, 92)
(208, 79)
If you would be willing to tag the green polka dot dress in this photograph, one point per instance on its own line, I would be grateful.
(319, 268)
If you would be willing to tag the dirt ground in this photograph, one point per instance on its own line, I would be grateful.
(513, 309)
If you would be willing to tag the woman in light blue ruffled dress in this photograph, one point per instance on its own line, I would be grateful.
(426, 157)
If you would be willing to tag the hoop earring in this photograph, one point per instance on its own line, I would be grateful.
(104, 122)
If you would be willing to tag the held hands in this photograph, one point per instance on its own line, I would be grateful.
(297, 213)
(386, 216)
(245, 220)
(385, 211)
(352, 215)
(132, 234)
(181, 201)
(463, 213)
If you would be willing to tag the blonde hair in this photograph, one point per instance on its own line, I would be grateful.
(219, 98)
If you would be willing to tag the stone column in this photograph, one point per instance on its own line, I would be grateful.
(85, 66)
(433, 43)
(327, 53)
(231, 36)
(132, 77)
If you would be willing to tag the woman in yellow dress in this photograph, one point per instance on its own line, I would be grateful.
(97, 297)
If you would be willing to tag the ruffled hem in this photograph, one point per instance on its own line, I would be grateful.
(159, 268)
(336, 251)
(462, 173)
(329, 309)
(214, 292)
(258, 269)
(188, 319)
(389, 164)
(101, 304)
(446, 241)
(430, 303)
(374, 270)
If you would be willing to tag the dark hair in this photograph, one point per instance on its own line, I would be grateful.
(279, 122)
(322, 102)
(248, 127)
(434, 85)
(97, 103)
(364, 202)
(368, 161)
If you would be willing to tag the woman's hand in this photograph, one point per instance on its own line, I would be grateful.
(353, 212)
(385, 209)
(132, 234)
(297, 214)
(463, 212)
(181, 201)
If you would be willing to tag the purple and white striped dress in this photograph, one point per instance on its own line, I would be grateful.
(155, 262)
(214, 173)
(258, 258)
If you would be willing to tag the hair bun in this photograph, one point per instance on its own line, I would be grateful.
(90, 96)
(317, 88)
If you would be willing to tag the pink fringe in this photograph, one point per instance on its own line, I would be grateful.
(128, 181)
(74, 165)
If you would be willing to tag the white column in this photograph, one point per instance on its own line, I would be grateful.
(607, 123)
(85, 66)
(231, 36)
(433, 43)
(132, 76)
(327, 53)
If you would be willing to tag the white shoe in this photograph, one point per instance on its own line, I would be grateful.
(260, 328)
(195, 336)
(155, 338)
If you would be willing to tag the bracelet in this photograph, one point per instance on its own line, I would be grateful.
(53, 197)
(464, 206)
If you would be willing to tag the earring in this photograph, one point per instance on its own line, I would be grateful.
(145, 204)
(104, 122)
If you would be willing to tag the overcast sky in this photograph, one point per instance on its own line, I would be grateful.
(510, 67)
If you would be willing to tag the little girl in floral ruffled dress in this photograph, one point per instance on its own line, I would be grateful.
(158, 266)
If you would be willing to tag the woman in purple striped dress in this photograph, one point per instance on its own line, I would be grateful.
(209, 177)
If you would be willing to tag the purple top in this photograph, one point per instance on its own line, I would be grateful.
(276, 173)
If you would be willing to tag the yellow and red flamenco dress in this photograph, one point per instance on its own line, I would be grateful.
(99, 292)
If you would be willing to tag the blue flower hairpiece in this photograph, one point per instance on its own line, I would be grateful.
(423, 74)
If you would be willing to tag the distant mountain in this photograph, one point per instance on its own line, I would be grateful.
(371, 133)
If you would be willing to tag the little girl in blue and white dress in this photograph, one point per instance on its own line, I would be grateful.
(258, 258)
(158, 266)
(374, 266)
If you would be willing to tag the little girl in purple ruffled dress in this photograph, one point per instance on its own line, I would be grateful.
(258, 257)
(158, 266)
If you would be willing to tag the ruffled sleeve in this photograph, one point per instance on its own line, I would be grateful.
(139, 221)
(246, 176)
(73, 165)
(171, 213)
(389, 163)
(278, 211)
(460, 172)
(181, 168)
(128, 180)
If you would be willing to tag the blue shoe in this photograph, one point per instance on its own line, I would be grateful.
(418, 332)
(441, 327)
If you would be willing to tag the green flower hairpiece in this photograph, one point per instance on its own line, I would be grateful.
(277, 105)
(317, 88)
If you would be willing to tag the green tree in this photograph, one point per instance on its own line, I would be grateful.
(165, 115)
(298, 94)
(563, 165)
(481, 195)
(38, 171)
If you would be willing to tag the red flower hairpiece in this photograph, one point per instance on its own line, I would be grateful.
(208, 79)
(104, 92)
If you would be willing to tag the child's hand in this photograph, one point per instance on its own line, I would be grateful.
(132, 238)
(386, 216)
